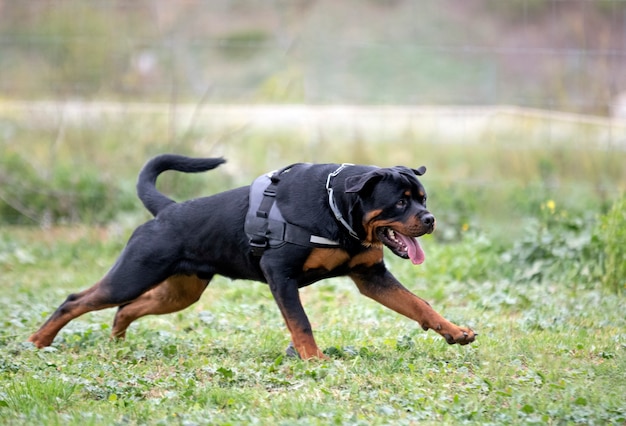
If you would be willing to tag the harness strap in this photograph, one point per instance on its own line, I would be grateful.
(265, 225)
(259, 239)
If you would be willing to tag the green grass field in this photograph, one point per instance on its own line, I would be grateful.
(536, 268)
(547, 353)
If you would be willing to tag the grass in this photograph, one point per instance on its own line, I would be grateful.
(548, 353)
(525, 229)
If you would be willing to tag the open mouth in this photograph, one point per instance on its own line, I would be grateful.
(402, 245)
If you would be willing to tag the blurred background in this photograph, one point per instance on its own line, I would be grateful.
(517, 107)
(566, 55)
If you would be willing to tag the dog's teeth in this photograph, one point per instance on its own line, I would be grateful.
(391, 234)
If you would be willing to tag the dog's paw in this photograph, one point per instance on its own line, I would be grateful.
(39, 341)
(291, 351)
(462, 336)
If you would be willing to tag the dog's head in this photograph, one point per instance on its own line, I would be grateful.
(391, 203)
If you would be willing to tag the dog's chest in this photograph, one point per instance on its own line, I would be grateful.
(330, 259)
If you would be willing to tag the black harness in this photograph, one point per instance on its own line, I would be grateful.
(265, 225)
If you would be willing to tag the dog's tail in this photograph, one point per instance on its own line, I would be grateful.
(151, 198)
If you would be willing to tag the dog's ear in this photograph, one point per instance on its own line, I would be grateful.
(407, 171)
(360, 182)
(420, 171)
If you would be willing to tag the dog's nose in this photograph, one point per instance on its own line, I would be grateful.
(428, 219)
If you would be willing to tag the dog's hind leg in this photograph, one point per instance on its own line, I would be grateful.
(129, 278)
(74, 306)
(172, 295)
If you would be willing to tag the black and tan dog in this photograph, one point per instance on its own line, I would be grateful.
(308, 222)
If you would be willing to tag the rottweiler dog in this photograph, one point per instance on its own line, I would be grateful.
(350, 211)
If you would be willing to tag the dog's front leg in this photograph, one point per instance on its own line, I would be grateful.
(287, 296)
(379, 284)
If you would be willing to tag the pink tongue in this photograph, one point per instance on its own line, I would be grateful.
(416, 254)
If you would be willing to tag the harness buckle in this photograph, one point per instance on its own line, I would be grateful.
(258, 245)
(270, 191)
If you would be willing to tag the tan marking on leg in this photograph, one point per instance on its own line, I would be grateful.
(74, 306)
(172, 295)
(394, 296)
(303, 342)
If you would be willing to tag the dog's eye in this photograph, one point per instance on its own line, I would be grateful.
(402, 203)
